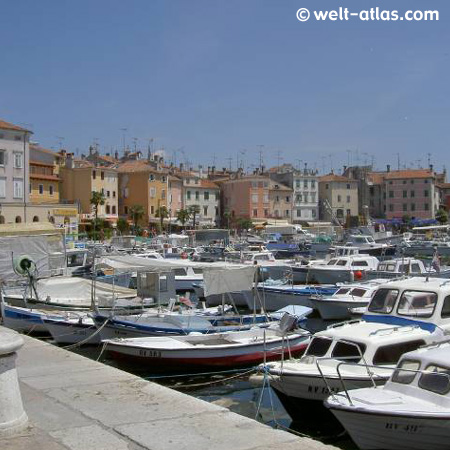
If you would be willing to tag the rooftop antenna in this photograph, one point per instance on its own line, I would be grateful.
(261, 162)
(135, 139)
(60, 141)
(331, 161)
(429, 159)
(229, 159)
(124, 131)
(398, 161)
(95, 142)
(299, 162)
(279, 158)
(348, 157)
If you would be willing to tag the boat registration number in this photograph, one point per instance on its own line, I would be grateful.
(402, 427)
(321, 389)
(150, 353)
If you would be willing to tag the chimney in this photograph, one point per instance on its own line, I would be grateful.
(69, 160)
(91, 150)
(388, 168)
(213, 169)
(116, 154)
(181, 167)
(431, 167)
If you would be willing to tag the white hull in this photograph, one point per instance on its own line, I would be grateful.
(275, 300)
(394, 432)
(73, 333)
(329, 276)
(335, 309)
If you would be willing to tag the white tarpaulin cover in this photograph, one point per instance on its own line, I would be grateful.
(46, 250)
(231, 279)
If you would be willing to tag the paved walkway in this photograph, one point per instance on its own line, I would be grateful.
(78, 404)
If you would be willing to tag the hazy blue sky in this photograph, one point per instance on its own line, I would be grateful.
(219, 77)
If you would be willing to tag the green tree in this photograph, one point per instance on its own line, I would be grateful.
(97, 199)
(227, 217)
(136, 213)
(244, 224)
(162, 212)
(193, 211)
(442, 216)
(183, 216)
(122, 225)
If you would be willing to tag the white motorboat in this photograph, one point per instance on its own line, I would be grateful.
(402, 316)
(342, 270)
(366, 244)
(72, 328)
(222, 350)
(410, 412)
(354, 295)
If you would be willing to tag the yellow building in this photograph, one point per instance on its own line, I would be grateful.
(140, 183)
(79, 179)
(44, 184)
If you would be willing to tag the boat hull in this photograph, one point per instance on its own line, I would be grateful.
(201, 358)
(72, 333)
(396, 432)
(336, 310)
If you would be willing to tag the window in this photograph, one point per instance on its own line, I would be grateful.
(402, 374)
(350, 351)
(125, 208)
(426, 207)
(436, 380)
(197, 195)
(2, 187)
(340, 213)
(425, 193)
(102, 175)
(217, 196)
(426, 181)
(318, 346)
(254, 184)
(113, 209)
(412, 181)
(288, 199)
(391, 207)
(114, 194)
(18, 188)
(390, 354)
(313, 184)
(108, 209)
(107, 193)
(254, 198)
(299, 213)
(35, 219)
(327, 186)
(417, 304)
(266, 213)
(383, 301)
(2, 157)
(305, 183)
(360, 263)
(314, 213)
(348, 198)
(50, 189)
(277, 198)
(205, 210)
(286, 213)
(206, 195)
(339, 198)
(163, 179)
(163, 194)
(297, 184)
(298, 198)
(188, 195)
(405, 194)
(152, 209)
(152, 192)
(255, 213)
(18, 160)
(404, 182)
(446, 307)
(313, 197)
(94, 174)
(391, 194)
(405, 207)
(152, 177)
(413, 206)
(358, 292)
(349, 212)
(412, 194)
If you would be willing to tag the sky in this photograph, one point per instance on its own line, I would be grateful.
(221, 82)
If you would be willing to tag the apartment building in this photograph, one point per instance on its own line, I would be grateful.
(338, 197)
(44, 179)
(80, 178)
(280, 201)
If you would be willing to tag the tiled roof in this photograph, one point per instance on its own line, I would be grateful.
(208, 184)
(278, 186)
(44, 150)
(411, 173)
(376, 177)
(39, 163)
(10, 126)
(333, 177)
(137, 166)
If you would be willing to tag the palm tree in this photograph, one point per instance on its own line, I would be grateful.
(193, 211)
(162, 212)
(136, 212)
(98, 198)
(183, 216)
(122, 225)
(227, 217)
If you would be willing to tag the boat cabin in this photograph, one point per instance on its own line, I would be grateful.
(359, 262)
(420, 301)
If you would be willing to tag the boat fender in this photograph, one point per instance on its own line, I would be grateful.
(184, 255)
(358, 275)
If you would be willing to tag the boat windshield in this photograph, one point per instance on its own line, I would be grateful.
(332, 262)
(417, 303)
(318, 346)
(350, 351)
(75, 259)
(390, 354)
(342, 291)
(436, 379)
(402, 374)
(342, 262)
(409, 268)
(358, 292)
(383, 301)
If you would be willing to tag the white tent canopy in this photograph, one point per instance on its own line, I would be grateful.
(230, 279)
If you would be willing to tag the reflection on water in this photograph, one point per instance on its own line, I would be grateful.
(235, 391)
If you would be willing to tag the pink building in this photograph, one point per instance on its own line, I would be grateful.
(247, 197)
(410, 192)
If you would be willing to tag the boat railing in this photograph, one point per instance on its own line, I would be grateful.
(371, 366)
(387, 331)
(319, 360)
(341, 324)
